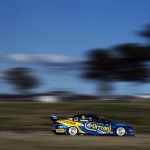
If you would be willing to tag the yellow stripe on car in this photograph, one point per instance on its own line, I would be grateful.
(69, 123)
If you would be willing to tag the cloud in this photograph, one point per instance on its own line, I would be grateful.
(47, 58)
(17, 58)
(50, 62)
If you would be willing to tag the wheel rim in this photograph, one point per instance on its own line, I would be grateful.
(121, 131)
(73, 131)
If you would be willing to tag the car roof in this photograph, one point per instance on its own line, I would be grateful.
(94, 115)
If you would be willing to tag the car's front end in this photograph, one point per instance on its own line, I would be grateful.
(129, 131)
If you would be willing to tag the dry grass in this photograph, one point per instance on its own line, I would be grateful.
(35, 116)
(29, 117)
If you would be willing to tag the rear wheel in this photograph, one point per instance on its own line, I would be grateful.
(120, 131)
(72, 131)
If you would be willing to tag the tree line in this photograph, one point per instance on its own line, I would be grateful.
(128, 62)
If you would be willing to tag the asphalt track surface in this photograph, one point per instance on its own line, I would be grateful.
(49, 141)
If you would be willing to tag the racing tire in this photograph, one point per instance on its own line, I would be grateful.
(120, 131)
(72, 131)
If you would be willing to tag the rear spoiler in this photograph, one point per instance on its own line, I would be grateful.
(53, 118)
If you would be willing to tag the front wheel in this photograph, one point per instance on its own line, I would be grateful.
(72, 131)
(120, 131)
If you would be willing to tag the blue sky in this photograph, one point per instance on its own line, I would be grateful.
(68, 28)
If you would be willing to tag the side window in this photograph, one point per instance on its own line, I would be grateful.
(76, 119)
(96, 119)
(84, 118)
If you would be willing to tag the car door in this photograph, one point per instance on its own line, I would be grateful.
(97, 126)
(90, 124)
(103, 126)
(87, 124)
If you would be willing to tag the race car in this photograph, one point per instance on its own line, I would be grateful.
(90, 124)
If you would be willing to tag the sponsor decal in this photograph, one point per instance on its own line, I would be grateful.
(89, 125)
(102, 132)
(60, 127)
(120, 124)
(108, 129)
(95, 127)
(60, 130)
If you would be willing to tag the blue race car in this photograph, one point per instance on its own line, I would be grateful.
(90, 124)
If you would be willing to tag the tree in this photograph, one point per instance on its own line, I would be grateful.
(126, 63)
(133, 64)
(21, 79)
(129, 62)
(98, 67)
(146, 33)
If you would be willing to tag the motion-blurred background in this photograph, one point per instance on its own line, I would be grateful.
(65, 57)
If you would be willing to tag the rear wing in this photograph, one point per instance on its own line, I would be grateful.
(53, 118)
